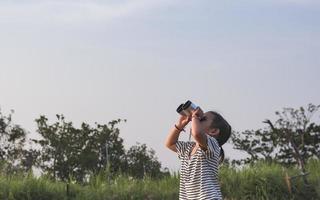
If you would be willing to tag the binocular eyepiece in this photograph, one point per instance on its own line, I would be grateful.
(187, 108)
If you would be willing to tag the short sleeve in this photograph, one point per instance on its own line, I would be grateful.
(181, 147)
(213, 148)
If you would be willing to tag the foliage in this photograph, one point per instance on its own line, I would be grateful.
(70, 153)
(266, 180)
(73, 154)
(256, 181)
(143, 162)
(76, 153)
(292, 139)
(12, 141)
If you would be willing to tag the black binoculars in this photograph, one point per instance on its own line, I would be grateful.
(187, 108)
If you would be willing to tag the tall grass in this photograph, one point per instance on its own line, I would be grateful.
(266, 181)
(31, 188)
(261, 181)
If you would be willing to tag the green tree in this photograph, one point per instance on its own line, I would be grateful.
(143, 162)
(291, 139)
(12, 141)
(68, 152)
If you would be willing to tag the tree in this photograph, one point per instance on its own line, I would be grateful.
(12, 140)
(291, 139)
(143, 162)
(68, 152)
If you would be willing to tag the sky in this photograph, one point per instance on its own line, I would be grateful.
(95, 61)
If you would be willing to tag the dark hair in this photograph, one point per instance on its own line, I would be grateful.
(225, 131)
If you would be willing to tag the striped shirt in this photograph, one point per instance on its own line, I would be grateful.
(199, 172)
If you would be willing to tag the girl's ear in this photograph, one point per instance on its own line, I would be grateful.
(215, 132)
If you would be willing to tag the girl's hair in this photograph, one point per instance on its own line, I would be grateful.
(225, 131)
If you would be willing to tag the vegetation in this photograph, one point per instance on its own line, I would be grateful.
(90, 162)
(67, 153)
(291, 139)
(264, 181)
(257, 182)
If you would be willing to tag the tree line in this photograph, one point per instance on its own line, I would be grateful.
(291, 140)
(67, 153)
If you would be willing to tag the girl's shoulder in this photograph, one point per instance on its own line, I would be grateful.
(212, 140)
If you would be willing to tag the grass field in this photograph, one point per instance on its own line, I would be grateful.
(260, 181)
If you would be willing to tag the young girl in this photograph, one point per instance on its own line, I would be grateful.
(200, 159)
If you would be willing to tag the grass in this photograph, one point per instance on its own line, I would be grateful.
(259, 182)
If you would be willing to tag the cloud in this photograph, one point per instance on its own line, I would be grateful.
(75, 11)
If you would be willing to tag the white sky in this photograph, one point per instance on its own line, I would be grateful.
(96, 61)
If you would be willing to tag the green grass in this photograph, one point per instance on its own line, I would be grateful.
(258, 182)
(267, 181)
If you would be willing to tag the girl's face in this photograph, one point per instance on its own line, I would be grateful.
(206, 122)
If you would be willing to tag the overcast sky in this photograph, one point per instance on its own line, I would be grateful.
(96, 61)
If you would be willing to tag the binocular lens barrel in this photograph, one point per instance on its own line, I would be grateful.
(180, 110)
(186, 108)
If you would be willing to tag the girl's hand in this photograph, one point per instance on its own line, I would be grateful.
(183, 121)
(197, 113)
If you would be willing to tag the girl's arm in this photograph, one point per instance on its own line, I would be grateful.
(173, 136)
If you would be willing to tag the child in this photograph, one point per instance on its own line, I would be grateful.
(200, 159)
